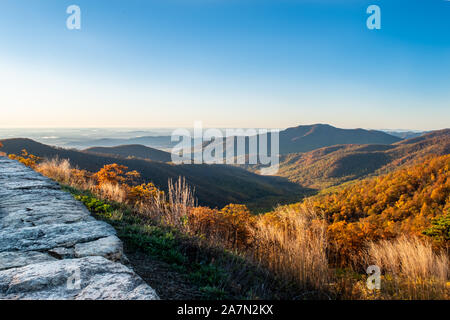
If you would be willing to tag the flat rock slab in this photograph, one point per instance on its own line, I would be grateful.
(110, 247)
(44, 232)
(75, 279)
(10, 260)
(50, 236)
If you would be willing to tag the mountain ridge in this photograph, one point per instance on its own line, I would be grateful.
(215, 185)
(132, 150)
(304, 138)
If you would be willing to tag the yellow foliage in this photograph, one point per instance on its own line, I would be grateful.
(115, 174)
(143, 193)
(27, 159)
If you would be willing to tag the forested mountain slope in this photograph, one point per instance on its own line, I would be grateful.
(333, 165)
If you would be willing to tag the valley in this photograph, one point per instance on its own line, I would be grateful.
(215, 185)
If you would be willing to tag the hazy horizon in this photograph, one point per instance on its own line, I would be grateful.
(207, 127)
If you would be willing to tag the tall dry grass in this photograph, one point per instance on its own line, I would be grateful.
(294, 244)
(56, 169)
(180, 200)
(412, 270)
(173, 208)
(110, 191)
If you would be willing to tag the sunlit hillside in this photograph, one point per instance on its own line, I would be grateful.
(404, 202)
(334, 165)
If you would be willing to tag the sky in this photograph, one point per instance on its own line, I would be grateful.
(227, 63)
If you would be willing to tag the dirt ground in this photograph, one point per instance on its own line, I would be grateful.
(169, 284)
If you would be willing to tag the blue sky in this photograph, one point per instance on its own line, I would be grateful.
(228, 63)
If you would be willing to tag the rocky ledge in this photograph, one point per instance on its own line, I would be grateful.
(52, 248)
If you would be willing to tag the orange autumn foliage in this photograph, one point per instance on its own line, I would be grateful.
(115, 174)
(143, 193)
(230, 226)
(238, 222)
(27, 159)
(385, 207)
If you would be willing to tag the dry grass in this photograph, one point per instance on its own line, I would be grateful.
(294, 245)
(412, 270)
(171, 209)
(180, 200)
(110, 191)
(59, 170)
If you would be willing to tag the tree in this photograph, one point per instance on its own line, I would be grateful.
(115, 174)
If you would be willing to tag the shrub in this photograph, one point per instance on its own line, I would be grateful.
(440, 231)
(27, 159)
(115, 174)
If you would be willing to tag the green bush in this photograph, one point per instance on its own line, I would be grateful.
(440, 229)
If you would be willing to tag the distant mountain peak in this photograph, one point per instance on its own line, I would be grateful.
(305, 138)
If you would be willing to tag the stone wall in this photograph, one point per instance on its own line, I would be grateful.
(52, 248)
